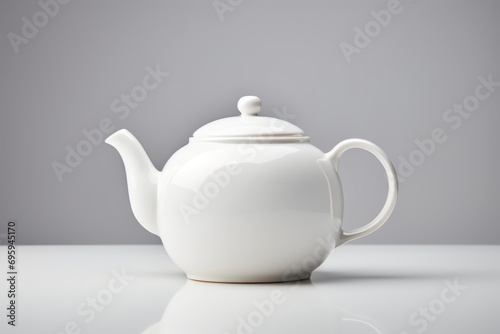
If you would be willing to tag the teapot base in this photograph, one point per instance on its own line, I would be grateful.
(248, 280)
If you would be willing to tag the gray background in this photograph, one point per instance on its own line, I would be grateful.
(393, 92)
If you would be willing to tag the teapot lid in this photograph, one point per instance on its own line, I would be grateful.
(250, 126)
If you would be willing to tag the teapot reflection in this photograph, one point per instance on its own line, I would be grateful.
(298, 307)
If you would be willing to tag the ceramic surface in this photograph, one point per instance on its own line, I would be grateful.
(363, 289)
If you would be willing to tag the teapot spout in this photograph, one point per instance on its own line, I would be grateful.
(142, 178)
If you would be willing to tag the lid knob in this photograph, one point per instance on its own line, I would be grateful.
(249, 105)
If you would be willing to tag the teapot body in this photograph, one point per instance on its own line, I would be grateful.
(248, 211)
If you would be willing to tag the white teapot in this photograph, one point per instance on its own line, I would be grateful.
(248, 199)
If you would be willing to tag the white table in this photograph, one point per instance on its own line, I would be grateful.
(359, 289)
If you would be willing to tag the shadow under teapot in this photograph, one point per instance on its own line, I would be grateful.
(298, 307)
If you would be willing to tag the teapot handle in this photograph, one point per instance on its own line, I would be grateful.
(333, 157)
